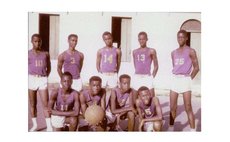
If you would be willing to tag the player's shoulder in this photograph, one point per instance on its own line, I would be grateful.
(152, 50)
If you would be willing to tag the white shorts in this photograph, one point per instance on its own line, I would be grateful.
(148, 126)
(58, 121)
(109, 79)
(76, 85)
(139, 80)
(181, 83)
(37, 82)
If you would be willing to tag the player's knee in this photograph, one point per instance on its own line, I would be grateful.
(131, 115)
(157, 125)
(188, 108)
(73, 121)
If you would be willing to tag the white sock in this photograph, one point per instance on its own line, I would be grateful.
(192, 130)
(48, 125)
(34, 121)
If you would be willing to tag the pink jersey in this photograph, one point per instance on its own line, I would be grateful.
(122, 100)
(66, 105)
(182, 62)
(142, 60)
(72, 64)
(37, 63)
(148, 111)
(90, 100)
(108, 60)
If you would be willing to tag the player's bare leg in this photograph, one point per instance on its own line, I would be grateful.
(188, 109)
(44, 99)
(131, 119)
(73, 122)
(33, 109)
(173, 107)
(157, 125)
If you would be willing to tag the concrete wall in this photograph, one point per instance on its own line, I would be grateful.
(160, 27)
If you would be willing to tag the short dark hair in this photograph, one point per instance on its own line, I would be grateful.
(143, 33)
(95, 78)
(124, 76)
(72, 35)
(142, 88)
(106, 33)
(36, 35)
(183, 32)
(67, 74)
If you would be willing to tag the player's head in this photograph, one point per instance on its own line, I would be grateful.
(66, 80)
(95, 84)
(108, 38)
(142, 38)
(124, 82)
(36, 40)
(182, 37)
(144, 94)
(72, 40)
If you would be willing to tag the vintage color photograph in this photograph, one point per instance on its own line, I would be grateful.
(114, 71)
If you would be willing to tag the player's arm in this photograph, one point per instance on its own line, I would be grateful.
(98, 61)
(48, 64)
(60, 64)
(155, 62)
(118, 59)
(140, 115)
(52, 100)
(103, 100)
(172, 59)
(132, 101)
(81, 60)
(113, 105)
(83, 103)
(134, 63)
(194, 63)
(159, 115)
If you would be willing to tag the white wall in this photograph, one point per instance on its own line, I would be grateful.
(160, 27)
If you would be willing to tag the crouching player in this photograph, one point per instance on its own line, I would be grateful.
(149, 111)
(66, 111)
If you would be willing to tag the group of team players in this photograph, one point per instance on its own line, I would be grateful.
(65, 108)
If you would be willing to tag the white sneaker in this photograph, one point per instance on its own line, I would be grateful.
(34, 128)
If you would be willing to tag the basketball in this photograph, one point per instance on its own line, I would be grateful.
(94, 114)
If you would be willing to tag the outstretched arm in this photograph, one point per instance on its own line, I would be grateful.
(48, 64)
(98, 61)
(118, 59)
(155, 62)
(83, 104)
(81, 60)
(194, 63)
(59, 65)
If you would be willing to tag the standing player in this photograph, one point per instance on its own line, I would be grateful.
(39, 70)
(149, 110)
(143, 58)
(71, 60)
(185, 68)
(122, 104)
(94, 95)
(67, 105)
(108, 65)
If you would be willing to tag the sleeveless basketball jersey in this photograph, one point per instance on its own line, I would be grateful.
(91, 100)
(182, 62)
(72, 64)
(37, 63)
(108, 60)
(122, 99)
(66, 105)
(149, 111)
(143, 61)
